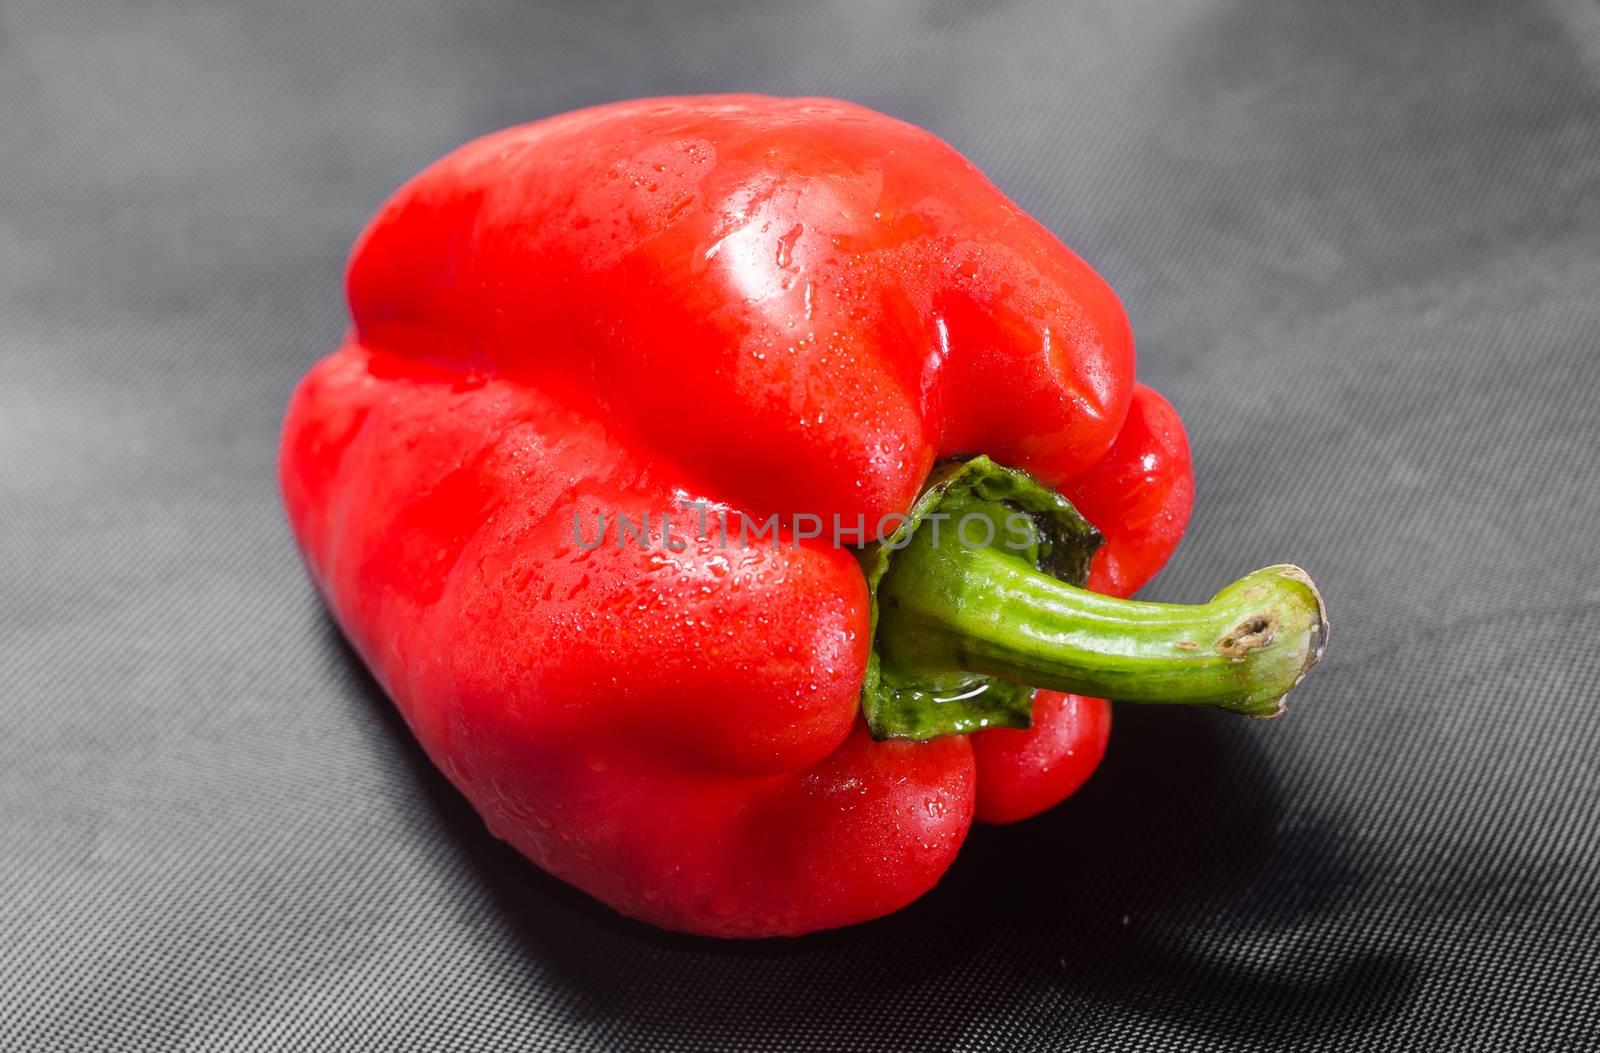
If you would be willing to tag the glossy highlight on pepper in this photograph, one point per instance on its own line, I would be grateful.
(766, 306)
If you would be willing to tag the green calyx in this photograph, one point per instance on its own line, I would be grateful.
(977, 601)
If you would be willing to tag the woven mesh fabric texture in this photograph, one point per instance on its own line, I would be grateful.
(1360, 245)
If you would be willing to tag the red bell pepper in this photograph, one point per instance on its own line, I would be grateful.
(626, 482)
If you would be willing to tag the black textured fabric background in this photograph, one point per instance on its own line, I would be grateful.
(1360, 245)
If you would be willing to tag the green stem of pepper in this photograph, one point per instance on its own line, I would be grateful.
(952, 608)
